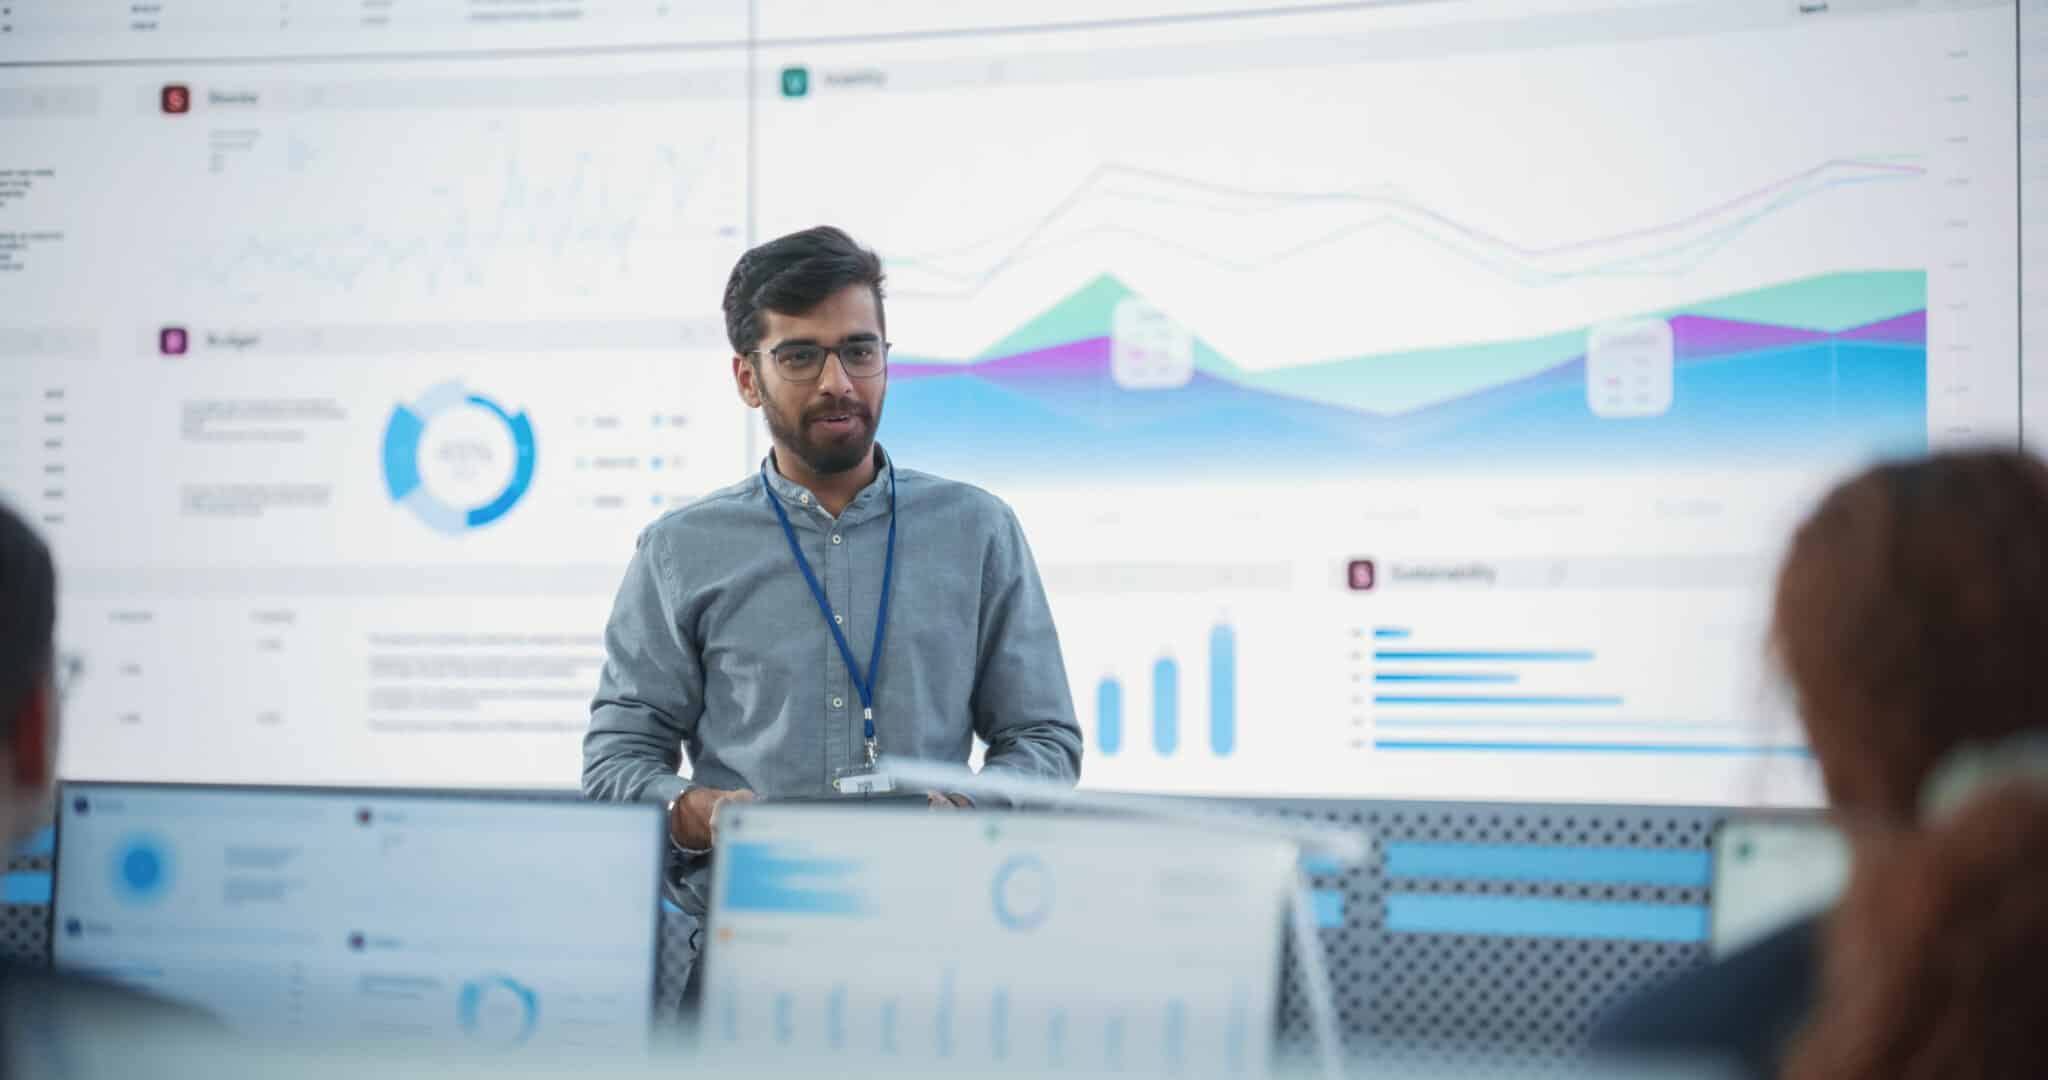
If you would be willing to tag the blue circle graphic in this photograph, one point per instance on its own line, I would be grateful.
(497, 1010)
(1023, 893)
(142, 869)
(402, 436)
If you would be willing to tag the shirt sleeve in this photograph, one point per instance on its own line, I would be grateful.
(650, 694)
(1023, 706)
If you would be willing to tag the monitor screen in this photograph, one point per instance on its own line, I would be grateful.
(368, 916)
(994, 940)
(1402, 400)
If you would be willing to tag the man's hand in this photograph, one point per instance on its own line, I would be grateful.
(940, 801)
(694, 821)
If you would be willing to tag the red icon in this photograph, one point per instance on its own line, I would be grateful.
(177, 99)
(1361, 575)
(173, 341)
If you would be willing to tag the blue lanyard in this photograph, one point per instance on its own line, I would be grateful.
(864, 684)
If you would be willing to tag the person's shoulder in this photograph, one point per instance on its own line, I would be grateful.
(725, 508)
(1743, 1006)
(931, 493)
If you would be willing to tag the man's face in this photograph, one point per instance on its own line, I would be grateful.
(829, 421)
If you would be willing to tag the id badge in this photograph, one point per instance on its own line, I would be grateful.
(863, 781)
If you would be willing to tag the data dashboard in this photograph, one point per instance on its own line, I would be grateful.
(1402, 400)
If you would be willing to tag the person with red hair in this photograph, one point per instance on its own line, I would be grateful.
(1911, 620)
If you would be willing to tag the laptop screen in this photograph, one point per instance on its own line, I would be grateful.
(994, 941)
(373, 916)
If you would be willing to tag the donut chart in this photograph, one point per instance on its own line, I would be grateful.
(407, 428)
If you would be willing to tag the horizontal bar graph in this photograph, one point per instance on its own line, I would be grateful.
(1547, 720)
(1571, 700)
(1466, 656)
(1528, 862)
(1715, 749)
(1463, 677)
(1523, 916)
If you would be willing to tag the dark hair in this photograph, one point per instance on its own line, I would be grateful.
(792, 275)
(1912, 616)
(1912, 619)
(1932, 963)
(28, 612)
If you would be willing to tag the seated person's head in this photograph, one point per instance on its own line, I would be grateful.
(1912, 622)
(28, 695)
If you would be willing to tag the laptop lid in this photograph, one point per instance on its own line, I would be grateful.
(994, 941)
(443, 919)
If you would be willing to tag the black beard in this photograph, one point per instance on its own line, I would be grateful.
(828, 460)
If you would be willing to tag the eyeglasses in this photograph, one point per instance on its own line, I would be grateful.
(70, 667)
(805, 361)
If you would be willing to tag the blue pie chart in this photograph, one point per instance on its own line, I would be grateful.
(407, 428)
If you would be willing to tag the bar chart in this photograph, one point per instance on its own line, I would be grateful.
(1167, 696)
(1419, 690)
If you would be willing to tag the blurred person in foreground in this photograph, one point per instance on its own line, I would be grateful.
(38, 1008)
(1912, 622)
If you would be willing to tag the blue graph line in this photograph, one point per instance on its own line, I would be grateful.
(1594, 748)
(1548, 721)
(1502, 655)
(1528, 862)
(1542, 917)
(1493, 699)
(1496, 678)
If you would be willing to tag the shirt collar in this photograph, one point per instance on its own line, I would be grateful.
(872, 501)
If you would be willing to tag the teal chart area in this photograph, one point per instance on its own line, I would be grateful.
(1103, 385)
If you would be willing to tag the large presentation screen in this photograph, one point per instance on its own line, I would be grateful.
(1402, 400)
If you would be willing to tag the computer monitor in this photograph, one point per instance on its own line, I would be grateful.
(458, 920)
(1770, 872)
(994, 941)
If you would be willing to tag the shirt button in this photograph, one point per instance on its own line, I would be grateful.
(840, 619)
(805, 498)
(838, 702)
(836, 538)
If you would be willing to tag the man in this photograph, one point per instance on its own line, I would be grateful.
(789, 631)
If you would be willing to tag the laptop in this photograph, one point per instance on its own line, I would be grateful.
(991, 942)
(457, 920)
(1770, 872)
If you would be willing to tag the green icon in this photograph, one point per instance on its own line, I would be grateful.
(796, 82)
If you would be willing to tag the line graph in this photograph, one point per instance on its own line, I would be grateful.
(501, 212)
(1668, 248)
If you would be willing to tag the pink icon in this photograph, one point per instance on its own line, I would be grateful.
(172, 341)
(1361, 575)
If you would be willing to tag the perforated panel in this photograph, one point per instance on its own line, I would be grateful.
(1481, 998)
(25, 928)
(1467, 998)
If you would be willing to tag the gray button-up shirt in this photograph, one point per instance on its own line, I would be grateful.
(717, 649)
